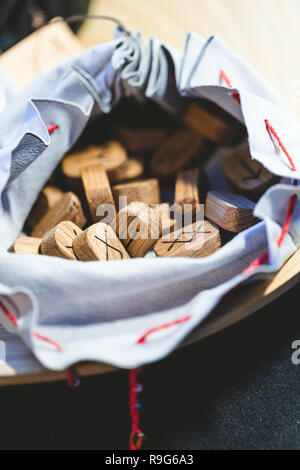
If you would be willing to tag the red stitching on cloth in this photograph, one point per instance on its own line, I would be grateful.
(48, 340)
(149, 332)
(9, 315)
(52, 128)
(136, 435)
(286, 226)
(271, 130)
(14, 321)
(264, 258)
(225, 78)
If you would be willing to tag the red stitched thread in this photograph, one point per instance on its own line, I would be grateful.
(136, 435)
(143, 338)
(264, 258)
(52, 128)
(48, 340)
(225, 78)
(288, 220)
(271, 130)
(9, 315)
(14, 321)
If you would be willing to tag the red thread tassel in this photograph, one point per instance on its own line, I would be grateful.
(136, 435)
(72, 378)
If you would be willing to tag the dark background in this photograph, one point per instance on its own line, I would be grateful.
(235, 390)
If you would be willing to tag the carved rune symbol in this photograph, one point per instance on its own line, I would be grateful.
(192, 238)
(109, 246)
(254, 175)
(70, 247)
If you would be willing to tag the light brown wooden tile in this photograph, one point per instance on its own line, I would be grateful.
(59, 241)
(187, 188)
(97, 188)
(194, 241)
(47, 198)
(176, 152)
(223, 130)
(131, 169)
(99, 242)
(139, 227)
(27, 246)
(143, 191)
(229, 211)
(247, 176)
(67, 208)
(167, 222)
(111, 155)
(140, 139)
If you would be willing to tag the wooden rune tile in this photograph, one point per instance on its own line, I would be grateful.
(99, 242)
(194, 241)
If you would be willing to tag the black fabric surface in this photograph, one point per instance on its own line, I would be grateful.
(236, 390)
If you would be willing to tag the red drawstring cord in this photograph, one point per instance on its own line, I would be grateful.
(136, 435)
(72, 378)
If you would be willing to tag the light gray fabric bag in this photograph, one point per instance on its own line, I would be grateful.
(98, 311)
